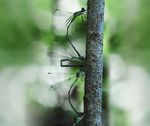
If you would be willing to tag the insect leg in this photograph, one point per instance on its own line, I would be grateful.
(82, 18)
(71, 42)
(79, 118)
(69, 97)
(69, 20)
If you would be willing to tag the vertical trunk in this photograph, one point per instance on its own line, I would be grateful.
(94, 63)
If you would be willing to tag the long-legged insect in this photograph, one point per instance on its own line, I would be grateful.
(73, 17)
(69, 22)
(72, 62)
(68, 61)
(78, 62)
(79, 74)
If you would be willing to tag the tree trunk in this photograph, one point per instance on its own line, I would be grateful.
(94, 63)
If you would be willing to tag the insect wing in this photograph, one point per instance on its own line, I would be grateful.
(58, 75)
(56, 55)
(59, 12)
(55, 58)
(63, 83)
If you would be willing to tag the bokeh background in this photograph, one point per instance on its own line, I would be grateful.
(29, 29)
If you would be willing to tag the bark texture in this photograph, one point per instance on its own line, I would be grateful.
(94, 63)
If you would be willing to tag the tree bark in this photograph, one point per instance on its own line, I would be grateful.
(94, 63)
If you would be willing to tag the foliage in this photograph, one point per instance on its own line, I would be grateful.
(129, 33)
(17, 32)
(119, 117)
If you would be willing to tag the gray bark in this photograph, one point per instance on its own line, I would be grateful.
(94, 63)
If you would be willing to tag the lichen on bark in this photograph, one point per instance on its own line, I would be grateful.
(94, 63)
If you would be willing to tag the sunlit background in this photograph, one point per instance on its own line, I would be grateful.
(30, 29)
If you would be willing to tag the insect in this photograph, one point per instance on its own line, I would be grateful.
(74, 16)
(69, 22)
(73, 62)
(81, 13)
(69, 61)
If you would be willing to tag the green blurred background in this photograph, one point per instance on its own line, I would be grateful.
(29, 29)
